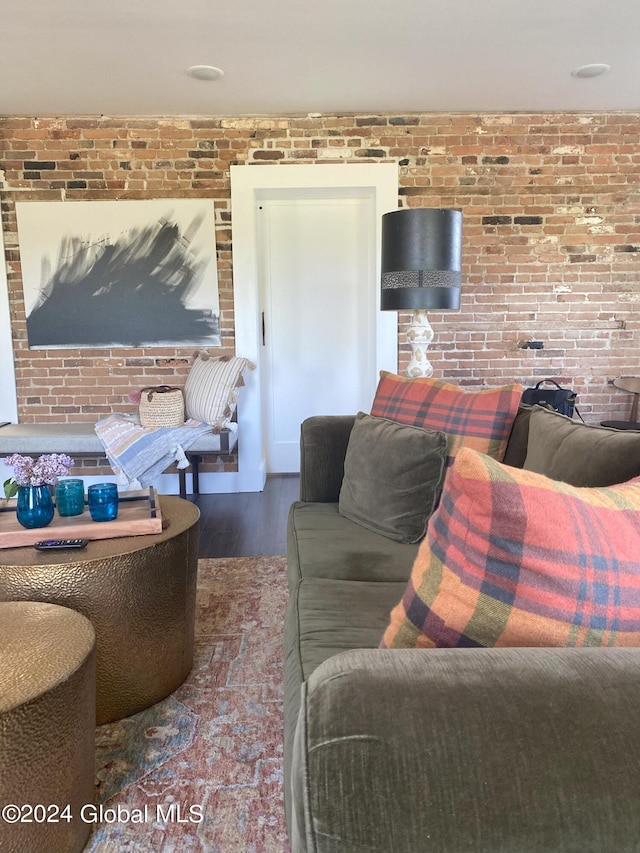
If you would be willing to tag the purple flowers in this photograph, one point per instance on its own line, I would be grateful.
(46, 469)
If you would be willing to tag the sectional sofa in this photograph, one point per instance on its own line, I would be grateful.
(523, 746)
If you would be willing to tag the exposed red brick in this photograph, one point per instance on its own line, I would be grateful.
(551, 208)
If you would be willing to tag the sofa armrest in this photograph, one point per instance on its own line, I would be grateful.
(323, 446)
(471, 749)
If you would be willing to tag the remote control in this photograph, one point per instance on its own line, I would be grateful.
(60, 544)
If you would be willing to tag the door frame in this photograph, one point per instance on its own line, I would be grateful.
(248, 185)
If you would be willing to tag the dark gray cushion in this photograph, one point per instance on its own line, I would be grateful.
(478, 750)
(321, 543)
(580, 454)
(392, 477)
(323, 446)
(516, 451)
(325, 617)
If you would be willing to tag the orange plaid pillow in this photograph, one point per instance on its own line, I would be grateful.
(481, 419)
(513, 558)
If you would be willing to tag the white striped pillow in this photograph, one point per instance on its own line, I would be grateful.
(211, 389)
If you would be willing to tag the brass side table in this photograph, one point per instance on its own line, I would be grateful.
(47, 726)
(139, 594)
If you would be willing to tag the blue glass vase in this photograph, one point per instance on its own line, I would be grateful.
(35, 506)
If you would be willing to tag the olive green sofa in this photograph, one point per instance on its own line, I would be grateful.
(446, 750)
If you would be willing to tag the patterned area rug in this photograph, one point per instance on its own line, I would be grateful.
(202, 770)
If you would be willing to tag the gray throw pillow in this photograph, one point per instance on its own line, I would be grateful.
(516, 451)
(580, 454)
(392, 477)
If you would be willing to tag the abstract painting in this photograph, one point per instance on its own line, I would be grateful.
(119, 273)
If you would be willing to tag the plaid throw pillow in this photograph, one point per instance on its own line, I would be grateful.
(512, 558)
(481, 420)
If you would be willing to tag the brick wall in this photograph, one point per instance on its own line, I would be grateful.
(551, 235)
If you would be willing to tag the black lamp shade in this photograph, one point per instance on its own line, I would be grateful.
(421, 258)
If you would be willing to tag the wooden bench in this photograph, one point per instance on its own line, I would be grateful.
(80, 441)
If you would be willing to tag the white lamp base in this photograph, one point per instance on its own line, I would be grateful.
(419, 336)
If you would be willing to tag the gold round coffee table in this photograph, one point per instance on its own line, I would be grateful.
(138, 592)
(47, 726)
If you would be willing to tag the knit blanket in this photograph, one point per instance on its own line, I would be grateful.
(138, 454)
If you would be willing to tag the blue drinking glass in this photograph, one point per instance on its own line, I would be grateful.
(70, 497)
(103, 501)
(34, 507)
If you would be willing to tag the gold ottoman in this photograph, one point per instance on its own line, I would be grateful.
(47, 727)
(138, 592)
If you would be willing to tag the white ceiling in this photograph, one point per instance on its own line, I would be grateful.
(129, 57)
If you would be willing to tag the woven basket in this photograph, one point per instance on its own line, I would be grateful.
(161, 406)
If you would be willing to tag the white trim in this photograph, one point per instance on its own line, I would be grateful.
(247, 183)
(8, 395)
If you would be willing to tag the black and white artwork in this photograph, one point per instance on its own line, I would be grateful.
(119, 273)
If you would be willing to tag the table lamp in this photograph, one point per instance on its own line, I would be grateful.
(421, 256)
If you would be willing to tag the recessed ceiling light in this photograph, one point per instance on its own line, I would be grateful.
(205, 72)
(595, 69)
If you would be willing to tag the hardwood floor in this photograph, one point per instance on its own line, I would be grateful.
(247, 524)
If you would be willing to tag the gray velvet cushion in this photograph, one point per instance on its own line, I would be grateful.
(516, 451)
(392, 477)
(580, 454)
(476, 750)
(323, 446)
(321, 543)
(325, 617)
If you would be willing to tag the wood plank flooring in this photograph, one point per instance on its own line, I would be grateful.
(248, 524)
